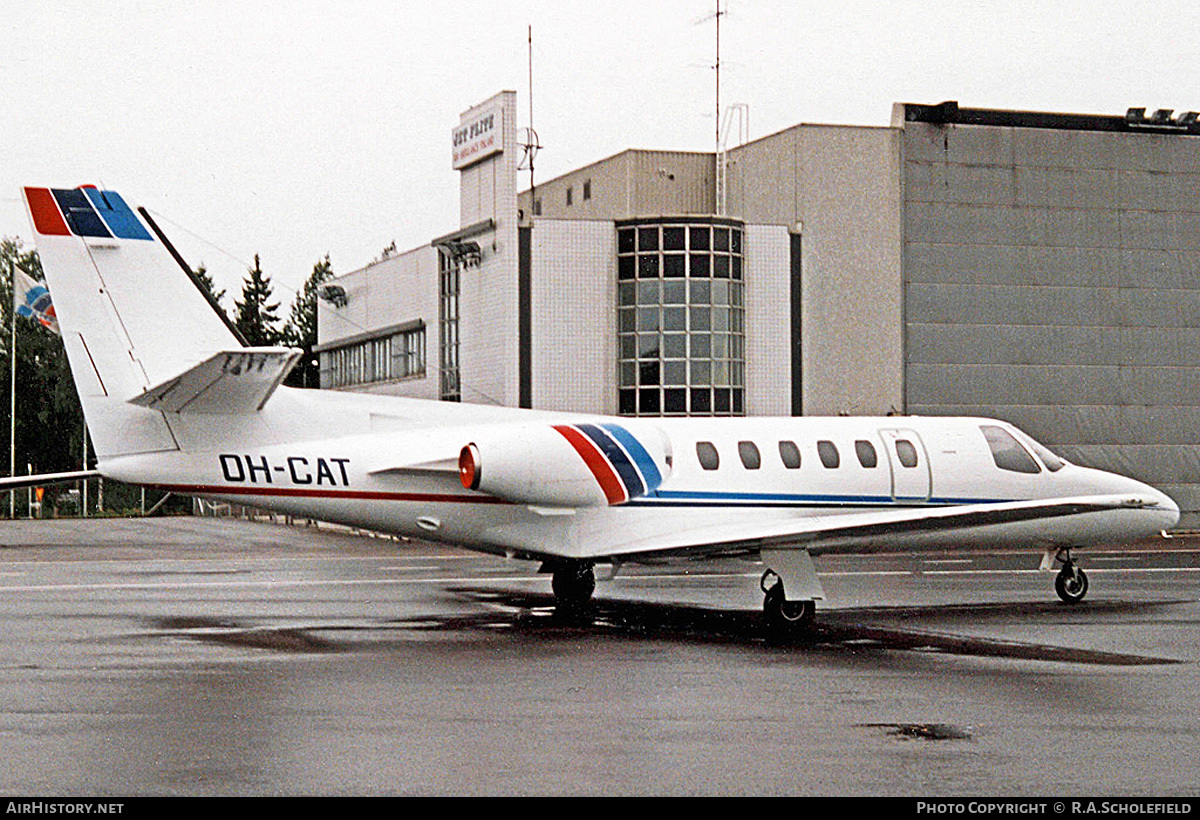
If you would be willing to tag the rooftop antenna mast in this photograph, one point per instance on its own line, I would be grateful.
(531, 144)
(718, 147)
(717, 125)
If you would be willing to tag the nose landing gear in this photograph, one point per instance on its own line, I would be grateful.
(1071, 583)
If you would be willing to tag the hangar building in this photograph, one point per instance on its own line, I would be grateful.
(1039, 268)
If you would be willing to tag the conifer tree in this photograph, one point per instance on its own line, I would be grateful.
(301, 328)
(255, 316)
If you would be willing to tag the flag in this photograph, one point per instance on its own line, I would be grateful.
(31, 299)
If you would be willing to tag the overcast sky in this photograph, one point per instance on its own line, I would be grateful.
(297, 129)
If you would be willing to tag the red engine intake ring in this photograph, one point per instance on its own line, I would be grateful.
(468, 467)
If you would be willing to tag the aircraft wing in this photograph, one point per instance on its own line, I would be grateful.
(233, 381)
(22, 481)
(864, 530)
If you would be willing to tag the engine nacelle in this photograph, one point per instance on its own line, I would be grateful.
(566, 465)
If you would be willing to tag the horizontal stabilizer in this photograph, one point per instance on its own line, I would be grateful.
(45, 479)
(234, 381)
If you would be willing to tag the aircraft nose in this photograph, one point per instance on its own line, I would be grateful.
(1169, 508)
(1161, 504)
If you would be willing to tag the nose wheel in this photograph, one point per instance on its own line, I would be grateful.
(1071, 583)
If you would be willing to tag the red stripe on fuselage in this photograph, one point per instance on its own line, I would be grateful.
(352, 495)
(605, 475)
(47, 219)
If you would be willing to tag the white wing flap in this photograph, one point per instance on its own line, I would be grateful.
(233, 381)
(875, 529)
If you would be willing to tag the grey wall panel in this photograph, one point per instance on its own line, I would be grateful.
(1052, 279)
(1083, 425)
(1044, 147)
(1156, 464)
(1017, 225)
(1010, 344)
(1058, 187)
(968, 263)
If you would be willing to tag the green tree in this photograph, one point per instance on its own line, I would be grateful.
(206, 281)
(301, 328)
(254, 316)
(48, 433)
(49, 418)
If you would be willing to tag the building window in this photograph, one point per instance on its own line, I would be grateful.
(391, 357)
(587, 189)
(537, 207)
(680, 318)
(449, 275)
(570, 194)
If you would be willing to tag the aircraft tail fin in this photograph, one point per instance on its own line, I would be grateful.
(130, 318)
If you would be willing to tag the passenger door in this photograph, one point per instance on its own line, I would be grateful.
(911, 476)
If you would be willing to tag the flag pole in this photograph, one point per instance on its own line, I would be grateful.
(85, 487)
(12, 390)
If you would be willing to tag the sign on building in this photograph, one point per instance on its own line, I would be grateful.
(478, 138)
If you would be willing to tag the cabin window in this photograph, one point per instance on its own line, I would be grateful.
(707, 453)
(906, 452)
(748, 451)
(867, 456)
(790, 454)
(828, 454)
(1007, 452)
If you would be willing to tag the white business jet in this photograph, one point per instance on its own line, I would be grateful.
(173, 400)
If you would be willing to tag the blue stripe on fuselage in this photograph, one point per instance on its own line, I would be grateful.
(703, 498)
(640, 457)
(616, 457)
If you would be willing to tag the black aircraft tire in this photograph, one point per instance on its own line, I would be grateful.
(1071, 585)
(784, 617)
(573, 585)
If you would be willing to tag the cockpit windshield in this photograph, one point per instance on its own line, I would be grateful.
(1007, 452)
(1053, 463)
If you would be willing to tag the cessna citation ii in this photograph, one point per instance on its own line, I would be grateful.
(173, 400)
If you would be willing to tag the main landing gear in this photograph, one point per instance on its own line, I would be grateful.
(781, 616)
(1071, 583)
(573, 584)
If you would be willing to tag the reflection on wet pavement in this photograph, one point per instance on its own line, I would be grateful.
(533, 614)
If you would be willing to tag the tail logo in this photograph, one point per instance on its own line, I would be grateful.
(85, 211)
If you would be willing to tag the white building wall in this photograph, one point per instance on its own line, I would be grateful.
(488, 329)
(767, 260)
(842, 185)
(574, 322)
(384, 294)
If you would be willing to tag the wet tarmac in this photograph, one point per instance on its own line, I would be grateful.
(217, 657)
